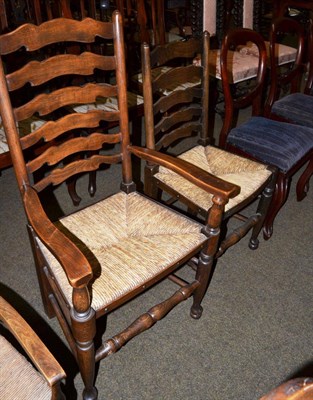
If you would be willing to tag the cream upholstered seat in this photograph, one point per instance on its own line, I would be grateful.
(245, 173)
(21, 379)
(132, 239)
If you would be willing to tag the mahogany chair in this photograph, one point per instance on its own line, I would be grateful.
(175, 110)
(295, 389)
(21, 379)
(296, 107)
(94, 260)
(285, 146)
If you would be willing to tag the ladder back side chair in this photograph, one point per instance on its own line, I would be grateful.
(285, 146)
(93, 260)
(21, 379)
(176, 110)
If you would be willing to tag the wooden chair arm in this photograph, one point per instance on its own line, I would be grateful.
(31, 343)
(194, 174)
(73, 261)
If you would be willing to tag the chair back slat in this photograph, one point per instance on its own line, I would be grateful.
(46, 103)
(60, 175)
(34, 37)
(37, 73)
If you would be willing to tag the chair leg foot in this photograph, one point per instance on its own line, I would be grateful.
(279, 199)
(254, 244)
(196, 312)
(91, 394)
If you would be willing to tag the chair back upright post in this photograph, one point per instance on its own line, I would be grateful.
(280, 76)
(253, 96)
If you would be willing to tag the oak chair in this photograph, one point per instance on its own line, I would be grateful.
(94, 260)
(176, 109)
(21, 379)
(287, 147)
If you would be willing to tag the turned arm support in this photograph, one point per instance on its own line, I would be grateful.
(33, 346)
(194, 174)
(73, 261)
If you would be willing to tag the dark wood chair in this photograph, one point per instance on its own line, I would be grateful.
(285, 146)
(295, 389)
(94, 260)
(295, 107)
(20, 378)
(176, 108)
(286, 80)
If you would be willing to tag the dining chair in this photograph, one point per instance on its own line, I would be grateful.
(29, 371)
(286, 146)
(295, 107)
(93, 260)
(176, 110)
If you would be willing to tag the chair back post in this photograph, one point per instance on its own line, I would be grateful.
(205, 138)
(10, 127)
(253, 96)
(292, 77)
(121, 79)
(309, 82)
(148, 103)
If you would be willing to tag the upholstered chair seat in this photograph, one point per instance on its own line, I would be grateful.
(283, 54)
(296, 108)
(19, 379)
(243, 172)
(257, 135)
(131, 238)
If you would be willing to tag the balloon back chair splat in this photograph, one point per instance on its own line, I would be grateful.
(94, 260)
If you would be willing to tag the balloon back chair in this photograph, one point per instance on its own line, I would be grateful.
(176, 112)
(21, 379)
(285, 146)
(94, 260)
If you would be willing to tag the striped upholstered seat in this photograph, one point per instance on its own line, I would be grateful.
(132, 238)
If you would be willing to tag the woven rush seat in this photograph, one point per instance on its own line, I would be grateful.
(245, 173)
(296, 107)
(257, 135)
(138, 250)
(19, 379)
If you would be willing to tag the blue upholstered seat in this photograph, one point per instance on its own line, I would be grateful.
(296, 108)
(276, 143)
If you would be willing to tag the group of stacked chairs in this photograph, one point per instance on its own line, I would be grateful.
(76, 105)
